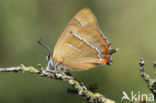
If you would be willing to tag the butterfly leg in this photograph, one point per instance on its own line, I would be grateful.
(48, 66)
(51, 65)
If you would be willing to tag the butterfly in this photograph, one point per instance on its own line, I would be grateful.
(82, 45)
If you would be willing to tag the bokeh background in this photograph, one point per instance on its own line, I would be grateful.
(129, 25)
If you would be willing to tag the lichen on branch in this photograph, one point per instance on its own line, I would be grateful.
(59, 75)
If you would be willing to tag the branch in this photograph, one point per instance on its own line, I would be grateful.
(150, 82)
(58, 75)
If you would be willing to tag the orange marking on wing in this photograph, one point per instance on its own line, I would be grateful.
(106, 49)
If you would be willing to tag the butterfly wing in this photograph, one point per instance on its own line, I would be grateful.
(83, 18)
(86, 18)
(82, 45)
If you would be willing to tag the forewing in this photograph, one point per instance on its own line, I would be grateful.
(86, 18)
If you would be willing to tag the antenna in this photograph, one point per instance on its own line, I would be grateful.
(42, 44)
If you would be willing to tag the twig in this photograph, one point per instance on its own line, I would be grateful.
(150, 82)
(82, 90)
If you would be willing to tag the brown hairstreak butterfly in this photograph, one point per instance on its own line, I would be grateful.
(82, 45)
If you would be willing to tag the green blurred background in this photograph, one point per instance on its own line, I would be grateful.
(129, 25)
